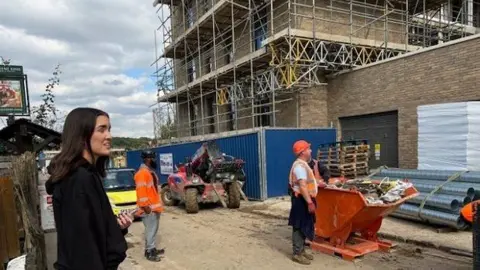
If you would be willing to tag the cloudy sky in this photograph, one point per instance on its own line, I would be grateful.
(105, 49)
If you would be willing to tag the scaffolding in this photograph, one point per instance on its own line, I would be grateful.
(224, 65)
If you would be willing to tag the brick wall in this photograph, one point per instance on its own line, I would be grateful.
(313, 108)
(441, 74)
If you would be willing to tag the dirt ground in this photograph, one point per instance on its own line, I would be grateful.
(218, 238)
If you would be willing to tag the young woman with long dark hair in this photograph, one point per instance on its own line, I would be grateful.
(89, 235)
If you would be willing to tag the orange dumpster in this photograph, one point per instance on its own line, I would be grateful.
(347, 225)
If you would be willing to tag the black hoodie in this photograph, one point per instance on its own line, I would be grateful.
(88, 235)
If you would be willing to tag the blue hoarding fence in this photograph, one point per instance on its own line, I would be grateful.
(267, 153)
(244, 146)
(278, 149)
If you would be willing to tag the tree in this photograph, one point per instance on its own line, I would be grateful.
(164, 127)
(131, 143)
(167, 130)
(46, 114)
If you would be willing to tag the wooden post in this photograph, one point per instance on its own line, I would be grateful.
(9, 227)
(9, 232)
(24, 174)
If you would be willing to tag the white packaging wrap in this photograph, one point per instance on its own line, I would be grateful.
(17, 264)
(449, 136)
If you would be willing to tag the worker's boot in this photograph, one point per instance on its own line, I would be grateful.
(307, 255)
(152, 255)
(300, 259)
(159, 251)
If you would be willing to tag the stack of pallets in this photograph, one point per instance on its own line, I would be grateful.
(348, 159)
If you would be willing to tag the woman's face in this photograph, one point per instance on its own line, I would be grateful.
(101, 140)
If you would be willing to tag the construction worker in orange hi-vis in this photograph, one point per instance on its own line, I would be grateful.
(149, 203)
(467, 211)
(304, 183)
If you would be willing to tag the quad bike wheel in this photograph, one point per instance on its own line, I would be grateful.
(233, 195)
(167, 197)
(191, 203)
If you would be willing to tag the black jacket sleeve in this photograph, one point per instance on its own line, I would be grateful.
(324, 171)
(84, 225)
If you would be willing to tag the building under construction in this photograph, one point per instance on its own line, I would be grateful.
(224, 65)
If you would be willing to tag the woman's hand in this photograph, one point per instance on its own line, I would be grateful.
(124, 220)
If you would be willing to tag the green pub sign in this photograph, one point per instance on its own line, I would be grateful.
(13, 91)
(7, 71)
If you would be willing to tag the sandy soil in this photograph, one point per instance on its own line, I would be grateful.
(394, 228)
(218, 238)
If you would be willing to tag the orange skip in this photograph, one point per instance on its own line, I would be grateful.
(343, 213)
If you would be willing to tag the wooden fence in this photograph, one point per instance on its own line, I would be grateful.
(9, 229)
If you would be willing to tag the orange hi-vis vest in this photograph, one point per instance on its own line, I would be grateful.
(146, 182)
(312, 181)
(467, 211)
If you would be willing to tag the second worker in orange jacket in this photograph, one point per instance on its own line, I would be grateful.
(149, 203)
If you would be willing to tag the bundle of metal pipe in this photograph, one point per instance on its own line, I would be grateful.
(471, 176)
(442, 207)
(408, 211)
(446, 202)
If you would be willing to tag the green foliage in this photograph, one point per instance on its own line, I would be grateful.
(47, 114)
(167, 130)
(132, 143)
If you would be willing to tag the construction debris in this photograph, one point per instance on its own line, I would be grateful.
(378, 192)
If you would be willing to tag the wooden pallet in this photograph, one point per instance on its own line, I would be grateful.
(348, 160)
(353, 158)
(349, 170)
(342, 166)
(362, 158)
(346, 148)
(349, 174)
(360, 165)
(332, 153)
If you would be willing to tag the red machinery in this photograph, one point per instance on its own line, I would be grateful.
(211, 176)
(347, 225)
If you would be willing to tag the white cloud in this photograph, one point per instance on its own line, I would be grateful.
(105, 49)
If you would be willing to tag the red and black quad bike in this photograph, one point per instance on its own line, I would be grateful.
(209, 177)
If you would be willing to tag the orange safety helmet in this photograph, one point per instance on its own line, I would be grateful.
(300, 146)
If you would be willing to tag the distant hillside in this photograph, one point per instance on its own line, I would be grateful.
(131, 143)
(117, 142)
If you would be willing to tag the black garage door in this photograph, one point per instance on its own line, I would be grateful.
(381, 131)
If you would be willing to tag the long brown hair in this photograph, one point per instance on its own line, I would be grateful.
(77, 133)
